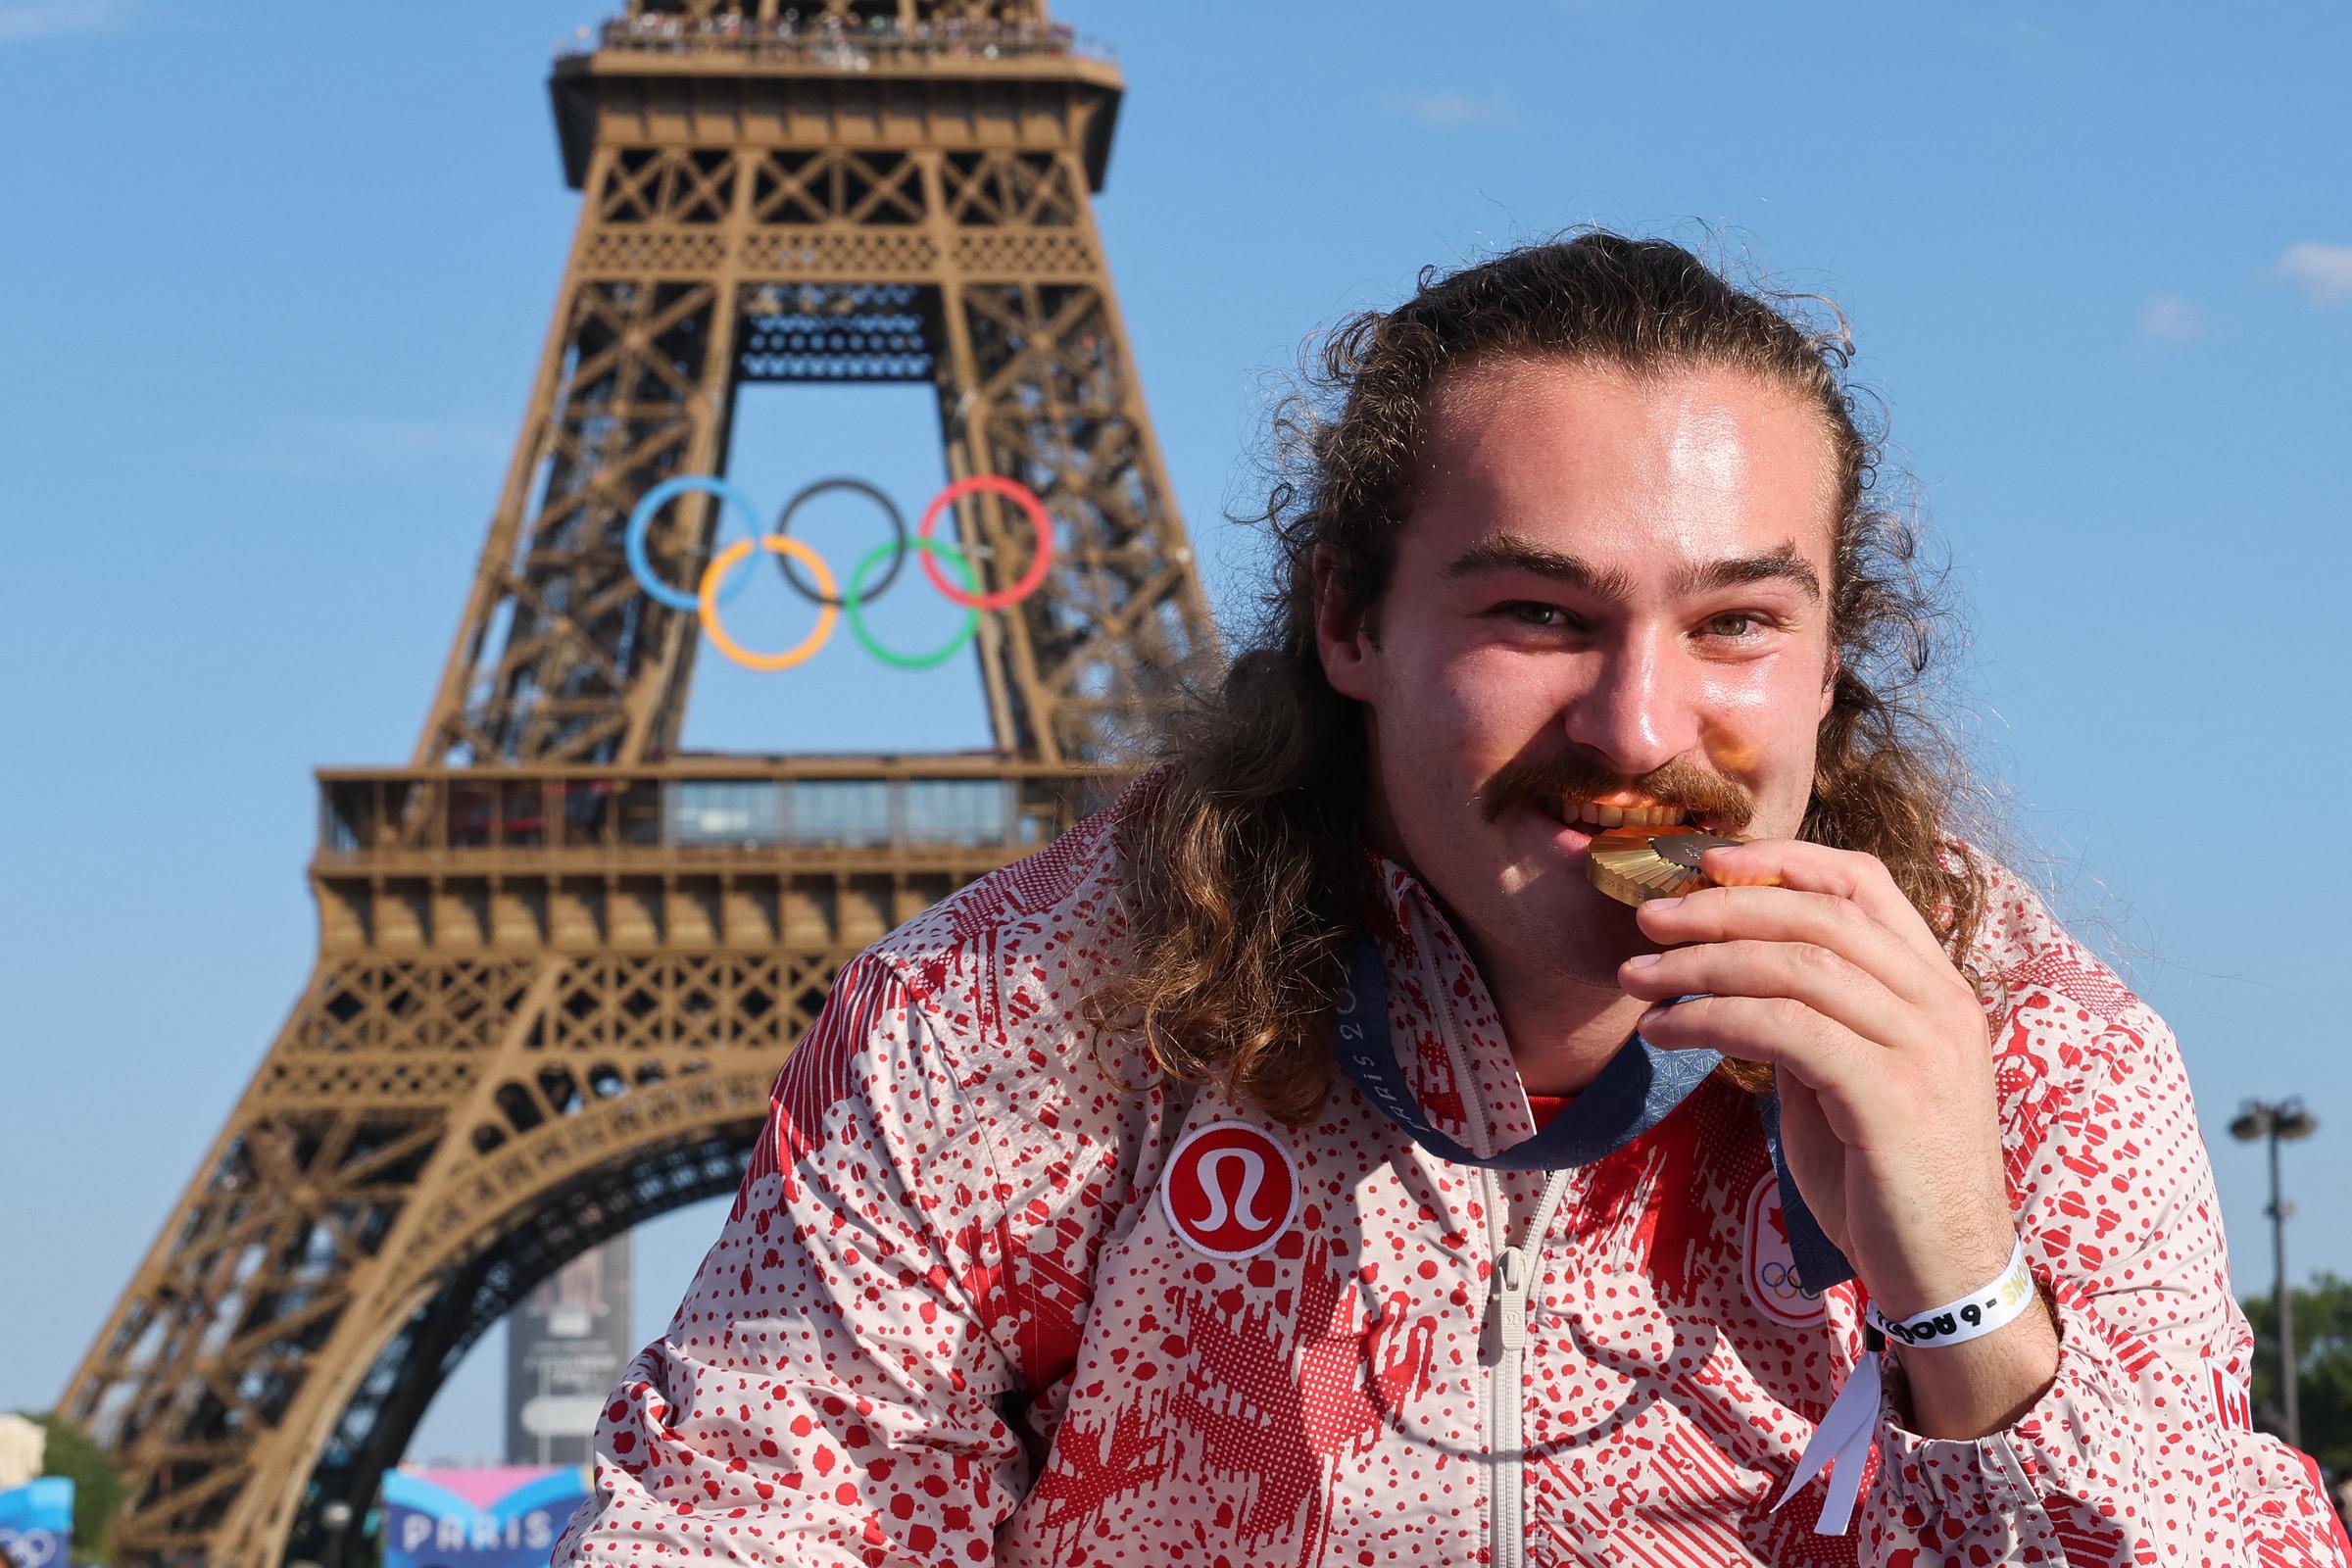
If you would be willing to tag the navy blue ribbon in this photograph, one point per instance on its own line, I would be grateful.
(1637, 1089)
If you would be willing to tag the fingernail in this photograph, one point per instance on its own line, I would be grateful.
(1643, 961)
(1661, 904)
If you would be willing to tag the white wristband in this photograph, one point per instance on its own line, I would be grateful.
(1842, 1441)
(1971, 1317)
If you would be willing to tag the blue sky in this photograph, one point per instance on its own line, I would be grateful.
(273, 278)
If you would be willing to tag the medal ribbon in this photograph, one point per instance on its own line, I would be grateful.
(1636, 1089)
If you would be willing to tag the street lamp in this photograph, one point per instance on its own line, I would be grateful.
(2285, 1119)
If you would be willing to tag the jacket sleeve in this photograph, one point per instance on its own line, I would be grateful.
(2140, 1452)
(829, 1390)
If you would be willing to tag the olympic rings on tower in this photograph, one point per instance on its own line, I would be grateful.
(858, 628)
(724, 562)
(1021, 496)
(642, 518)
(890, 509)
(714, 589)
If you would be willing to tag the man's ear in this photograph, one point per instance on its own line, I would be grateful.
(1349, 659)
(1829, 688)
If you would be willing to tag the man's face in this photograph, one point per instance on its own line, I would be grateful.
(1609, 593)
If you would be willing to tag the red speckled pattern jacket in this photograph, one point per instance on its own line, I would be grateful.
(978, 1302)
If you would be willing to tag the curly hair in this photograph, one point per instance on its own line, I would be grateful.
(1247, 873)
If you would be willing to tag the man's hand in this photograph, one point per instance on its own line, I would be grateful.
(1887, 1114)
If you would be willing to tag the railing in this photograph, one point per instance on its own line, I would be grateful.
(726, 809)
(840, 47)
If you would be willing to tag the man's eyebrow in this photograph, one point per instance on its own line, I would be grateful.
(1786, 563)
(1509, 552)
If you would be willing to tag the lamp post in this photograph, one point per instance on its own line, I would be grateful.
(2288, 1118)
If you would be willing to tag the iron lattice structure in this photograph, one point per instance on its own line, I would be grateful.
(558, 965)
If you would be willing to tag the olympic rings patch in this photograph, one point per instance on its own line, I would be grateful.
(1769, 1263)
(848, 598)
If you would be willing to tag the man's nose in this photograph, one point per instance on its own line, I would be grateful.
(1640, 711)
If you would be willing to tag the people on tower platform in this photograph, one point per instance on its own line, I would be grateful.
(820, 36)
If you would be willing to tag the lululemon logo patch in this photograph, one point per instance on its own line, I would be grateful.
(1770, 1264)
(1231, 1189)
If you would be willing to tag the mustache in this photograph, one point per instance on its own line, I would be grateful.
(1548, 779)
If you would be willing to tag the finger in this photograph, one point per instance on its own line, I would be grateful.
(1822, 920)
(1791, 971)
(1817, 1052)
(1818, 868)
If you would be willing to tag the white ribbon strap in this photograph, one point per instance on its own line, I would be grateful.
(1845, 1434)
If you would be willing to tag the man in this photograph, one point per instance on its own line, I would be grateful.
(1304, 1162)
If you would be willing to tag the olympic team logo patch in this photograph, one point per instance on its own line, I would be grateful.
(1770, 1264)
(1231, 1189)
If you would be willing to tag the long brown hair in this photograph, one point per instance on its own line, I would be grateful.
(1247, 867)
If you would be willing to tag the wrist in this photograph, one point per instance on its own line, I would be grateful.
(1961, 1266)
(1985, 1384)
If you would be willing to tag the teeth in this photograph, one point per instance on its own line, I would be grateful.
(1594, 814)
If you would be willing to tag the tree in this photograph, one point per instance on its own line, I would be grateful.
(2322, 1368)
(98, 1487)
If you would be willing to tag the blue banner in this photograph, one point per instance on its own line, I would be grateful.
(36, 1522)
(503, 1518)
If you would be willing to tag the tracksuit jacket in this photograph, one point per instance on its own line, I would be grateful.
(991, 1293)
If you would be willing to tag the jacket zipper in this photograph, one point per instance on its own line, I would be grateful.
(1514, 1274)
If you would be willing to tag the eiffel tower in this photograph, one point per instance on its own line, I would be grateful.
(559, 964)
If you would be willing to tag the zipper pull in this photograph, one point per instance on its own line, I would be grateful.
(1511, 1323)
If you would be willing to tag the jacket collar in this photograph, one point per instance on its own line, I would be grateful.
(1442, 1022)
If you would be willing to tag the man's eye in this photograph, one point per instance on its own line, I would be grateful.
(1527, 613)
(1731, 623)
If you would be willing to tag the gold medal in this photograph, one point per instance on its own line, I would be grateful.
(1635, 865)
